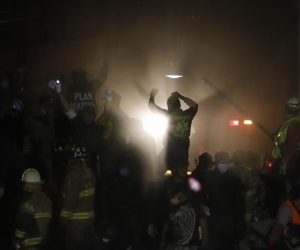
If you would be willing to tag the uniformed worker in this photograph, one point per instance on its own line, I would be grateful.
(286, 231)
(78, 190)
(288, 137)
(250, 180)
(35, 214)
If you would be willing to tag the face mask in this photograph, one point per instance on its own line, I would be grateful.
(105, 240)
(124, 172)
(222, 168)
(87, 120)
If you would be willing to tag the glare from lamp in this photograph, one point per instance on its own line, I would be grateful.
(174, 76)
(155, 125)
(173, 71)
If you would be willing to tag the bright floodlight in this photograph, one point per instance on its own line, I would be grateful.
(155, 125)
(174, 76)
(248, 122)
(173, 71)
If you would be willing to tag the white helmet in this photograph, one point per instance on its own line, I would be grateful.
(293, 103)
(31, 175)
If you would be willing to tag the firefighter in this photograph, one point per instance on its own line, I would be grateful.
(251, 183)
(78, 190)
(288, 137)
(34, 215)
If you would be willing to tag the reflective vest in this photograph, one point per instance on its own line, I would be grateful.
(78, 193)
(34, 231)
(295, 220)
(281, 137)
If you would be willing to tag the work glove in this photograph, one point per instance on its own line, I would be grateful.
(58, 86)
(55, 85)
(17, 244)
(109, 94)
(153, 92)
(152, 231)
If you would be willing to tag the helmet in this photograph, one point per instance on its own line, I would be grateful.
(17, 104)
(31, 175)
(293, 103)
(78, 152)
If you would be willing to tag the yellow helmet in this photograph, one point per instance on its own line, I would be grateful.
(31, 175)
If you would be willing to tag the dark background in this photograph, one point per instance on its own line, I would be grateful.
(248, 49)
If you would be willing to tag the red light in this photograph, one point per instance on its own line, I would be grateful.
(234, 123)
(268, 164)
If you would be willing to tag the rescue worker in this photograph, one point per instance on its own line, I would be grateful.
(78, 189)
(41, 136)
(251, 182)
(122, 203)
(34, 215)
(286, 231)
(85, 131)
(205, 163)
(175, 213)
(287, 141)
(81, 92)
(224, 192)
(179, 128)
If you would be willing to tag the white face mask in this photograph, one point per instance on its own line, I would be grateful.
(105, 240)
(222, 168)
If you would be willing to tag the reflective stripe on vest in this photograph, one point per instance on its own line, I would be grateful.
(42, 215)
(65, 214)
(87, 192)
(19, 233)
(29, 207)
(295, 220)
(32, 241)
(77, 216)
(250, 192)
(82, 216)
(281, 136)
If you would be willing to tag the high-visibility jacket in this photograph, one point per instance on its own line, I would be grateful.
(34, 218)
(295, 220)
(280, 138)
(78, 191)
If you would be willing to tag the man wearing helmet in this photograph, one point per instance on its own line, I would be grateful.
(288, 137)
(179, 127)
(78, 194)
(35, 214)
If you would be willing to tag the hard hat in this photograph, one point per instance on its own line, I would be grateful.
(293, 103)
(17, 104)
(31, 175)
(78, 152)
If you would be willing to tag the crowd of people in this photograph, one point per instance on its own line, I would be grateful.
(74, 177)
